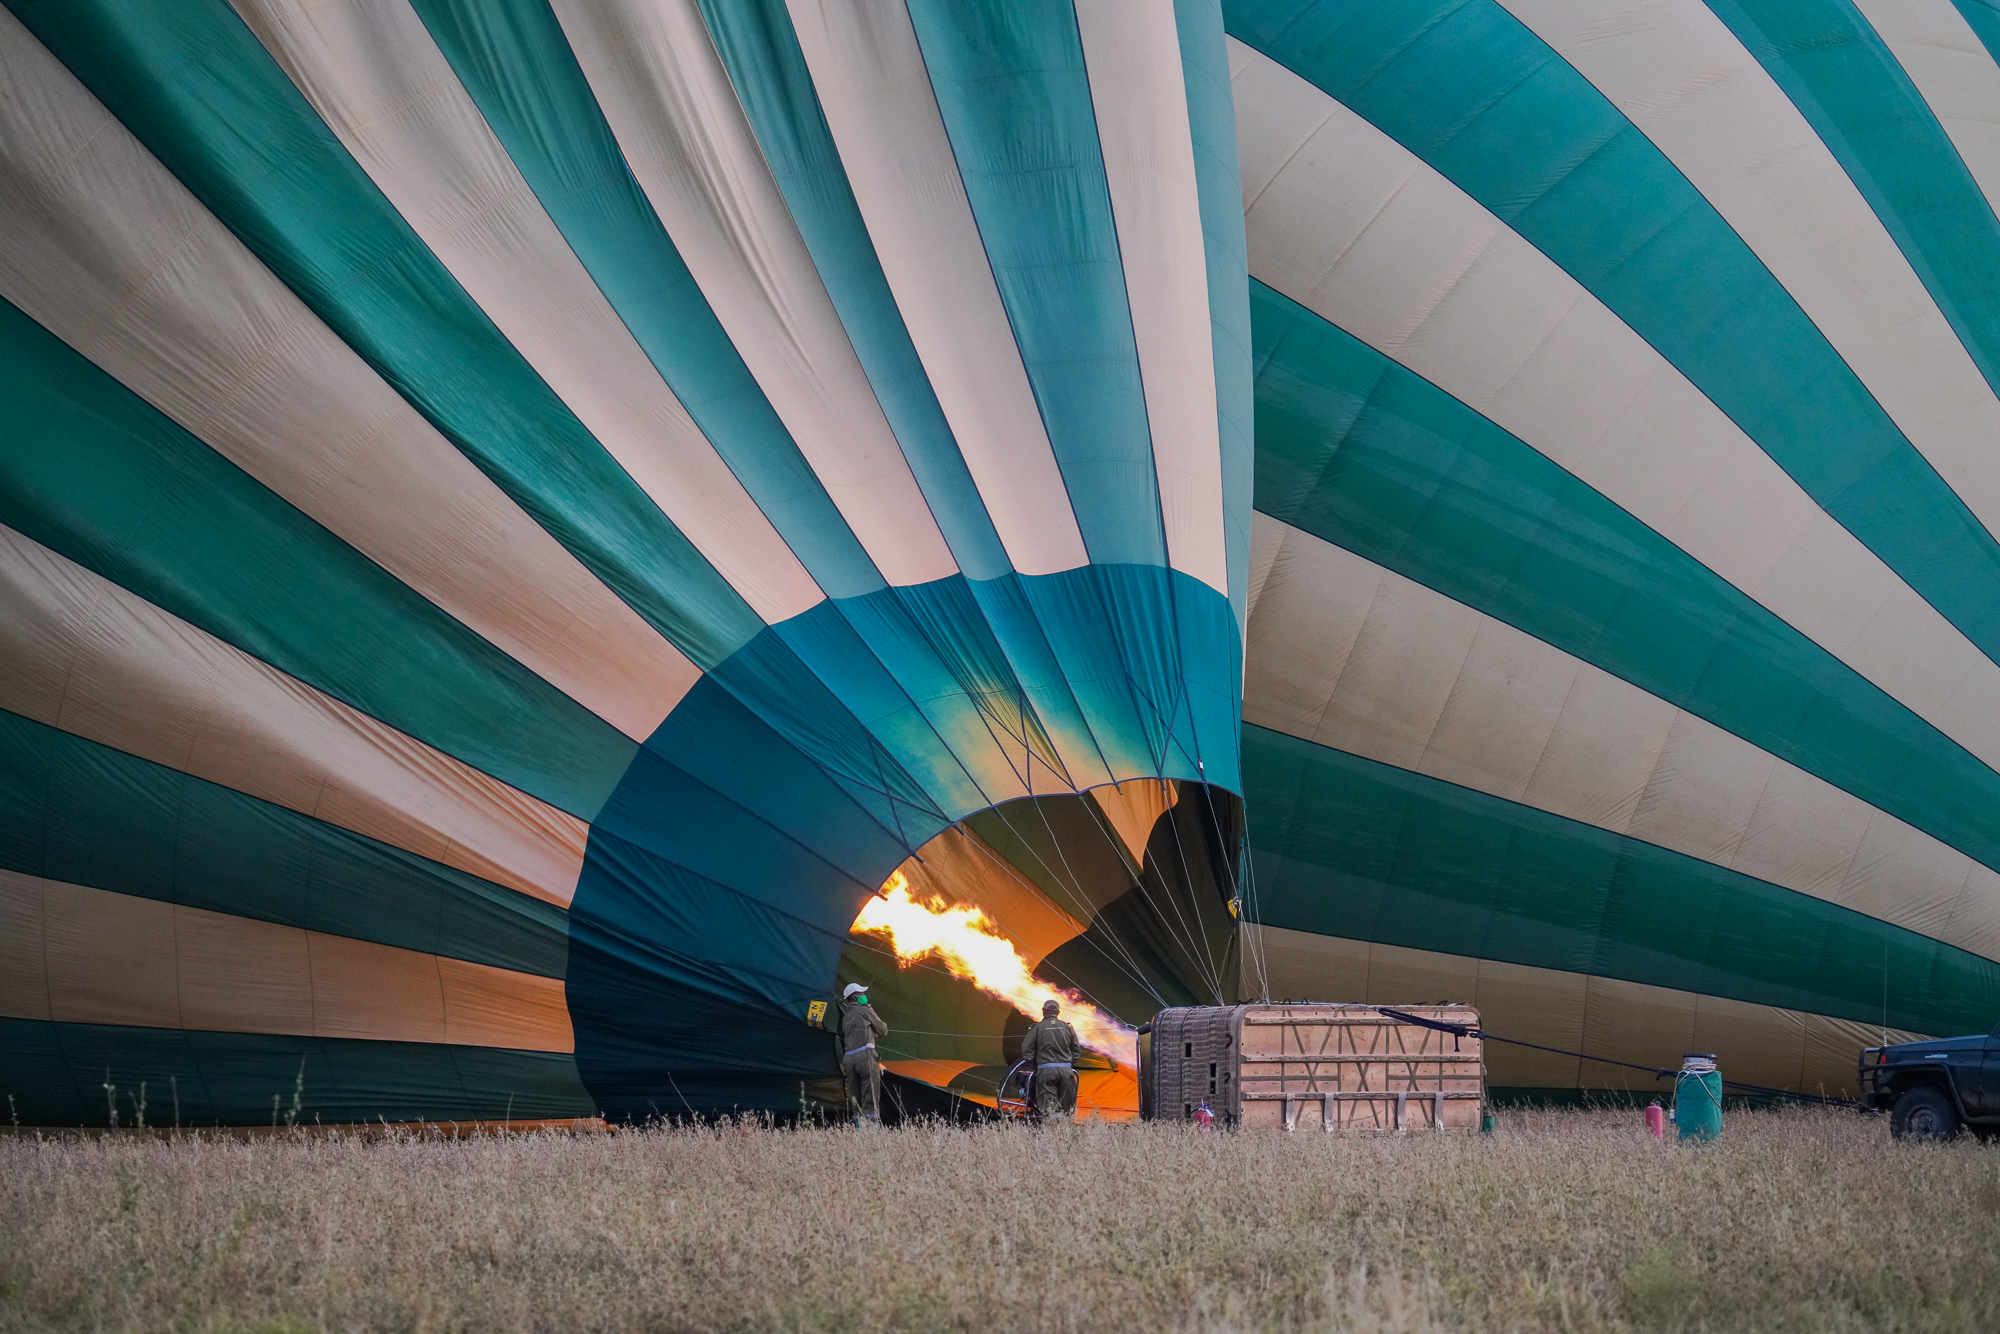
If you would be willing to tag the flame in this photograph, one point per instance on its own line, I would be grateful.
(971, 946)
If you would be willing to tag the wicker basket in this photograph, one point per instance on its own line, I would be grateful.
(1314, 1067)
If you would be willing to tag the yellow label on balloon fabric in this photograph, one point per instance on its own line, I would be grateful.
(816, 1012)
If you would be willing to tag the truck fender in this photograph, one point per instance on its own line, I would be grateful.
(1941, 1071)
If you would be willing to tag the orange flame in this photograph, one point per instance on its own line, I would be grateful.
(971, 946)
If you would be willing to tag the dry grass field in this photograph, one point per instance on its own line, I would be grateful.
(1807, 1221)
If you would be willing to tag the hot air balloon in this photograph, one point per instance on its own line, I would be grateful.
(520, 518)
(540, 539)
(1622, 644)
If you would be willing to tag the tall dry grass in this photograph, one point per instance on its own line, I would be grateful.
(1562, 1220)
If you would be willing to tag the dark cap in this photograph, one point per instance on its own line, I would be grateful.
(1050, 1007)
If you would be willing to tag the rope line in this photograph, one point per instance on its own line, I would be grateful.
(1658, 1072)
(1081, 901)
(1139, 879)
(1207, 958)
(1243, 887)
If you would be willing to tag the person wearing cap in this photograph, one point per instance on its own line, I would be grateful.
(859, 1025)
(1050, 1048)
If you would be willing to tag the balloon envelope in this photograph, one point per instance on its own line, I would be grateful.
(519, 517)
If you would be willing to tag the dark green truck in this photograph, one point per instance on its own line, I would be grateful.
(1932, 1090)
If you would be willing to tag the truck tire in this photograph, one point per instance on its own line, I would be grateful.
(1924, 1113)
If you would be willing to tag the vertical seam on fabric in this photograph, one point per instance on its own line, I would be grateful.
(444, 999)
(1742, 835)
(1423, 752)
(1013, 332)
(1133, 971)
(174, 953)
(640, 193)
(750, 126)
(1555, 725)
(819, 111)
(1125, 290)
(42, 910)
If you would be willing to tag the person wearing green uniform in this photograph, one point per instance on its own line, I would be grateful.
(1050, 1048)
(859, 1026)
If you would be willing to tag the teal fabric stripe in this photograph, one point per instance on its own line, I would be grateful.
(952, 671)
(513, 59)
(1109, 671)
(1983, 17)
(1353, 448)
(761, 52)
(1112, 629)
(1348, 847)
(1856, 96)
(815, 688)
(89, 469)
(966, 652)
(751, 812)
(198, 90)
(860, 651)
(933, 644)
(919, 703)
(1461, 84)
(1010, 83)
(1212, 118)
(79, 812)
(1046, 691)
(57, 1072)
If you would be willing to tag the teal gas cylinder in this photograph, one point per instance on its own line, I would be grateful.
(1698, 1097)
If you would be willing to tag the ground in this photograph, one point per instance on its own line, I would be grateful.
(1807, 1221)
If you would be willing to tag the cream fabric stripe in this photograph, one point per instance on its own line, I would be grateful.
(1133, 809)
(78, 955)
(1682, 77)
(1955, 73)
(1346, 221)
(876, 93)
(1625, 1021)
(1132, 52)
(86, 656)
(1350, 655)
(370, 69)
(669, 101)
(114, 256)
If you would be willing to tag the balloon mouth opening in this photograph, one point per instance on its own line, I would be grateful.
(1112, 903)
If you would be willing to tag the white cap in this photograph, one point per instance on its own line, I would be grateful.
(853, 988)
